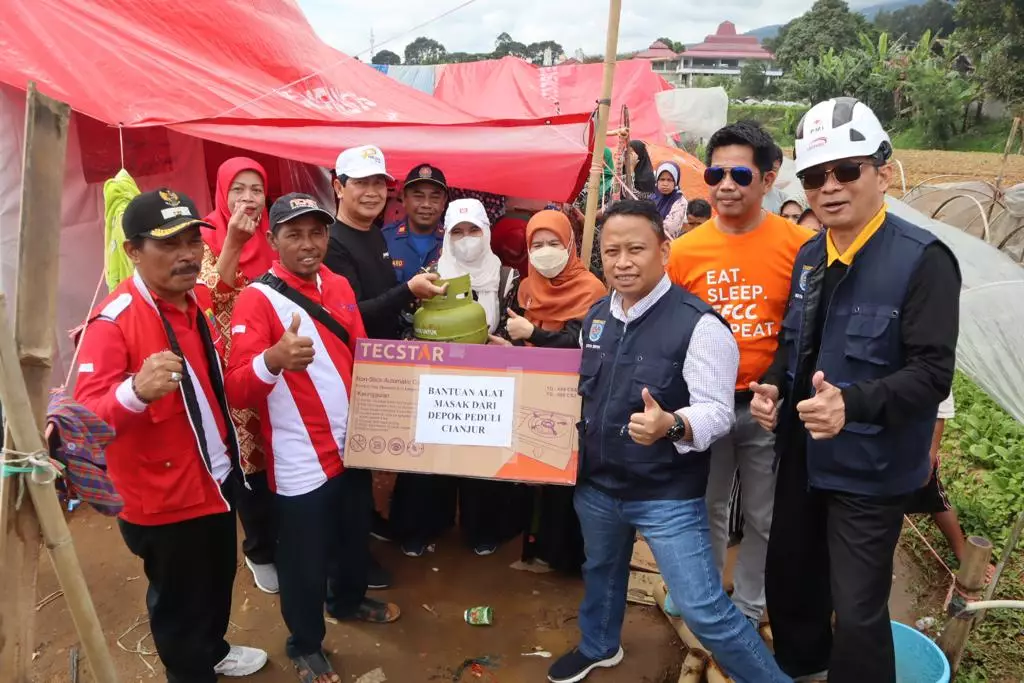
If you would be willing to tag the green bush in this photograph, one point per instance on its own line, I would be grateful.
(778, 119)
(982, 469)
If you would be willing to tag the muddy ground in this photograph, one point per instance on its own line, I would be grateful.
(531, 611)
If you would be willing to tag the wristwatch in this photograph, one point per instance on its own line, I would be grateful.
(677, 431)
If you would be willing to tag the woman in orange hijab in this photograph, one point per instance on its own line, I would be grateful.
(558, 291)
(236, 252)
(555, 297)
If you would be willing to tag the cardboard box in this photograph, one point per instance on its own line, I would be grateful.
(471, 410)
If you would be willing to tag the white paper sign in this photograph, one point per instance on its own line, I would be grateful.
(465, 410)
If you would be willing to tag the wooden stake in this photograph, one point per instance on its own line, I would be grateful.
(25, 369)
(1011, 545)
(970, 581)
(611, 46)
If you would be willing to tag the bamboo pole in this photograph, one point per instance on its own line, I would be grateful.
(970, 581)
(1011, 545)
(604, 105)
(25, 368)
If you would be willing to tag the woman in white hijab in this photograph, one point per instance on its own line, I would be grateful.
(489, 512)
(467, 250)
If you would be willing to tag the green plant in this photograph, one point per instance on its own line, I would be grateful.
(983, 470)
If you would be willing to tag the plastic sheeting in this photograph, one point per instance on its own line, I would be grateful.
(991, 312)
(512, 88)
(423, 78)
(693, 113)
(253, 74)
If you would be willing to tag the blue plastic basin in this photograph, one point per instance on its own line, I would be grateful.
(918, 659)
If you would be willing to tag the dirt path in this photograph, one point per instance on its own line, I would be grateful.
(921, 165)
(530, 611)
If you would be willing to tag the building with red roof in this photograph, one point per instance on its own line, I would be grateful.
(721, 54)
(724, 53)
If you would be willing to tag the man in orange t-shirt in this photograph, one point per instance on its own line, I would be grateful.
(741, 262)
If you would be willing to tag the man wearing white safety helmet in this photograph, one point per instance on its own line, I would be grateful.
(866, 354)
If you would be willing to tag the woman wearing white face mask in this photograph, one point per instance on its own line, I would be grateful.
(467, 251)
(558, 291)
(554, 297)
(424, 506)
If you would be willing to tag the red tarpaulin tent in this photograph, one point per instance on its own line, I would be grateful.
(511, 88)
(252, 74)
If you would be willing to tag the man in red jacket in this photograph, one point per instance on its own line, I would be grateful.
(293, 342)
(150, 367)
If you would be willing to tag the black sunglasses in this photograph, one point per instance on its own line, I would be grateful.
(844, 172)
(741, 175)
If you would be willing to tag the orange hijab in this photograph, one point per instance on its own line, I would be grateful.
(549, 304)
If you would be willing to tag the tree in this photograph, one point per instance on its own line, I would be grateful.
(673, 45)
(992, 32)
(535, 51)
(511, 48)
(754, 80)
(501, 40)
(425, 50)
(937, 16)
(386, 57)
(829, 24)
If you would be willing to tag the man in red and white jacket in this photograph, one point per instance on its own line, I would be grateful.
(293, 343)
(150, 367)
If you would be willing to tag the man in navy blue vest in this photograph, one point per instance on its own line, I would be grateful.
(866, 354)
(657, 381)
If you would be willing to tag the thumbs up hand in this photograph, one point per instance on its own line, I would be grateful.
(518, 327)
(651, 425)
(824, 414)
(764, 406)
(291, 352)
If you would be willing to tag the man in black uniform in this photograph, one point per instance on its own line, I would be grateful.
(358, 251)
(866, 353)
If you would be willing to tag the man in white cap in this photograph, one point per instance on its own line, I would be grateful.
(866, 354)
(358, 251)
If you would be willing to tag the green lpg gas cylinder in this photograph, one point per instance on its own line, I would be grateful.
(453, 316)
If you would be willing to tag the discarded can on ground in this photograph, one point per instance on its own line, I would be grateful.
(480, 616)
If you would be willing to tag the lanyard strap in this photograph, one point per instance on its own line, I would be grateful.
(188, 389)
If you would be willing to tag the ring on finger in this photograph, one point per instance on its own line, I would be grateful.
(175, 376)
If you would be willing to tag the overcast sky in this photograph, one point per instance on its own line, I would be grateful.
(346, 24)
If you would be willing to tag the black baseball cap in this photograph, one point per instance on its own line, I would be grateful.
(295, 204)
(159, 215)
(425, 173)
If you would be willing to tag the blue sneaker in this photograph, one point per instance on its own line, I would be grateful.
(485, 549)
(574, 666)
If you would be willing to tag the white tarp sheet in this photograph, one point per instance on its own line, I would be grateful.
(991, 346)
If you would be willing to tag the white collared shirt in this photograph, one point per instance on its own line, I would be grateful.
(709, 370)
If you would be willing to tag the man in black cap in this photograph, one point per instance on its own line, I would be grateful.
(302, 398)
(415, 241)
(150, 367)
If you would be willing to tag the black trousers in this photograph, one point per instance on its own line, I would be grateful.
(323, 556)
(831, 551)
(257, 512)
(190, 566)
(424, 506)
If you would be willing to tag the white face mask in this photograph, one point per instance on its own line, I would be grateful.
(549, 261)
(468, 249)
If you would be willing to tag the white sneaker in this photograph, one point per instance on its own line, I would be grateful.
(241, 661)
(265, 576)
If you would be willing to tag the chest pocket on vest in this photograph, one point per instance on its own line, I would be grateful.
(657, 375)
(590, 368)
(869, 333)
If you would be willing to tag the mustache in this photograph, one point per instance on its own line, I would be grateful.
(190, 269)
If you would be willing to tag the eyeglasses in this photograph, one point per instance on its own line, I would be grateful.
(844, 172)
(741, 175)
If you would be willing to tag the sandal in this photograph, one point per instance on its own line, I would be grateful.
(312, 668)
(376, 612)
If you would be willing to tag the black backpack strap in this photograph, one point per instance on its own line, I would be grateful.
(503, 276)
(315, 310)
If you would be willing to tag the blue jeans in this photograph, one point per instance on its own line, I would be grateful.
(678, 534)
